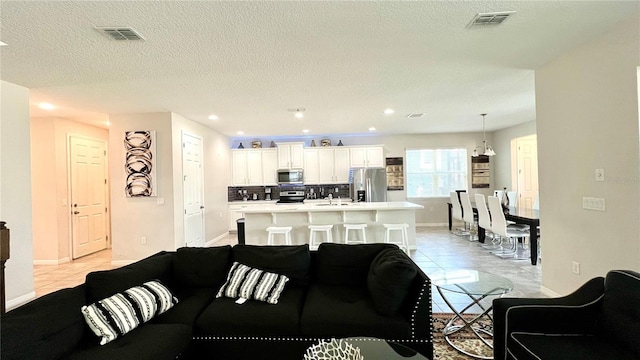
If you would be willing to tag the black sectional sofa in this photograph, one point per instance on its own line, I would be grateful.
(338, 291)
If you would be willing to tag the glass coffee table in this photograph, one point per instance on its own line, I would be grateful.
(475, 286)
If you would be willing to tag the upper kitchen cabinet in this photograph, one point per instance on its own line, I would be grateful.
(290, 155)
(367, 156)
(247, 167)
(270, 166)
(326, 165)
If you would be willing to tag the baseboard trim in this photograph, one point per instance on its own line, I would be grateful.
(216, 239)
(20, 300)
(51, 262)
(549, 292)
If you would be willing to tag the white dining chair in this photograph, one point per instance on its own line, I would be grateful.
(499, 227)
(513, 198)
(484, 221)
(456, 212)
(467, 215)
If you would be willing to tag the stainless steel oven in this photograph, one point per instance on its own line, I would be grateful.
(290, 176)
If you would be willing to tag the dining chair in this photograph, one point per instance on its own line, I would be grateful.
(456, 212)
(499, 227)
(513, 198)
(468, 216)
(484, 221)
(536, 202)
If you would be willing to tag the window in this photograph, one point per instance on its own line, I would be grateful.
(435, 172)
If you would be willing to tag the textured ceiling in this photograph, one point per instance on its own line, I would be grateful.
(248, 62)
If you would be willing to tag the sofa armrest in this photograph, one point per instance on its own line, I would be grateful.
(575, 313)
(417, 310)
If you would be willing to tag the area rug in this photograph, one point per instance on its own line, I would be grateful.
(464, 339)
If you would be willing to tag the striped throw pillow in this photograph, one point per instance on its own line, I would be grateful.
(245, 282)
(117, 315)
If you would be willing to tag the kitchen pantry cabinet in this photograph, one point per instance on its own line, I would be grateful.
(247, 167)
(326, 165)
(367, 156)
(270, 166)
(290, 155)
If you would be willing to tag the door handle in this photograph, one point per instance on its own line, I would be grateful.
(201, 207)
(76, 212)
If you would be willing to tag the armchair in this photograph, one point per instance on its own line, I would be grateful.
(600, 320)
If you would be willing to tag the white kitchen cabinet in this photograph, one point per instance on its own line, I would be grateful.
(270, 166)
(326, 165)
(367, 156)
(290, 155)
(234, 215)
(247, 167)
(311, 166)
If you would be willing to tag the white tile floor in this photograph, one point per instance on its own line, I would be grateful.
(438, 249)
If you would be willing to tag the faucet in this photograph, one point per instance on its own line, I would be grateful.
(330, 197)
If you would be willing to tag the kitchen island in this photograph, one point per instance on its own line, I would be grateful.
(299, 216)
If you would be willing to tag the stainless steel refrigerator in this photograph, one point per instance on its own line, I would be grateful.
(368, 184)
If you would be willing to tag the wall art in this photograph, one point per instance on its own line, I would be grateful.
(140, 163)
(395, 174)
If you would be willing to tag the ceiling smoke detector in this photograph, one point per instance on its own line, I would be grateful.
(119, 33)
(494, 18)
(415, 115)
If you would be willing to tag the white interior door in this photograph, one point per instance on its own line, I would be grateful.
(527, 170)
(88, 184)
(193, 179)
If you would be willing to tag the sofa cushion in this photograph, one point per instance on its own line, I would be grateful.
(523, 346)
(290, 261)
(102, 284)
(390, 277)
(223, 317)
(201, 267)
(46, 328)
(341, 264)
(151, 341)
(345, 311)
(118, 314)
(246, 283)
(620, 316)
(192, 302)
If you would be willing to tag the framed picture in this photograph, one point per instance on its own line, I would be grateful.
(256, 144)
(395, 174)
(140, 146)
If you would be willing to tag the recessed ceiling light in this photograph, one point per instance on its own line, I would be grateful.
(46, 106)
(298, 112)
(213, 117)
(299, 115)
(372, 129)
(240, 132)
(305, 131)
(3, 43)
(388, 111)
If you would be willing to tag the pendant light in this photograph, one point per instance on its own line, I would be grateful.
(488, 151)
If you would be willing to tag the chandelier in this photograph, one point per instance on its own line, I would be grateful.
(487, 150)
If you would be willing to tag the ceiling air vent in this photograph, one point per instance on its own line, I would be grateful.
(120, 33)
(415, 115)
(495, 18)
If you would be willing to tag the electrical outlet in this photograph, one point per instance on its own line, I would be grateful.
(336, 190)
(143, 240)
(575, 267)
(599, 174)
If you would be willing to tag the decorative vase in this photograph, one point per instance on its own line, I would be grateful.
(240, 146)
(505, 201)
(273, 144)
(313, 143)
(340, 143)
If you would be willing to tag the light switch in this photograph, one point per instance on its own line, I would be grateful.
(591, 203)
(599, 174)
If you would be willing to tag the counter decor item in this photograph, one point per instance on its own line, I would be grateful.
(340, 143)
(313, 143)
(325, 142)
(256, 144)
(273, 144)
(240, 146)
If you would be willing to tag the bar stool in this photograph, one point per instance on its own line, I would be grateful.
(404, 238)
(284, 230)
(356, 227)
(315, 230)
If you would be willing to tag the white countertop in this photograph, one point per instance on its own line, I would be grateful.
(324, 206)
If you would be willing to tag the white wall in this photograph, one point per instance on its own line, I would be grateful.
(49, 167)
(15, 191)
(163, 225)
(587, 118)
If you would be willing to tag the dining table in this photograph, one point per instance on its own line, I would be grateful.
(518, 215)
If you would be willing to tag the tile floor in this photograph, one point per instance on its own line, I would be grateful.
(438, 249)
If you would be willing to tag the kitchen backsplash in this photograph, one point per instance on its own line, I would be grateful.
(236, 193)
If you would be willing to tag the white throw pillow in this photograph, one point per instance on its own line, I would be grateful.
(245, 282)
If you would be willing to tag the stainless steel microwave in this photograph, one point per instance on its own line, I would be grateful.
(290, 176)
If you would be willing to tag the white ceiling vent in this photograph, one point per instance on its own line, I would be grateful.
(415, 115)
(119, 33)
(495, 18)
